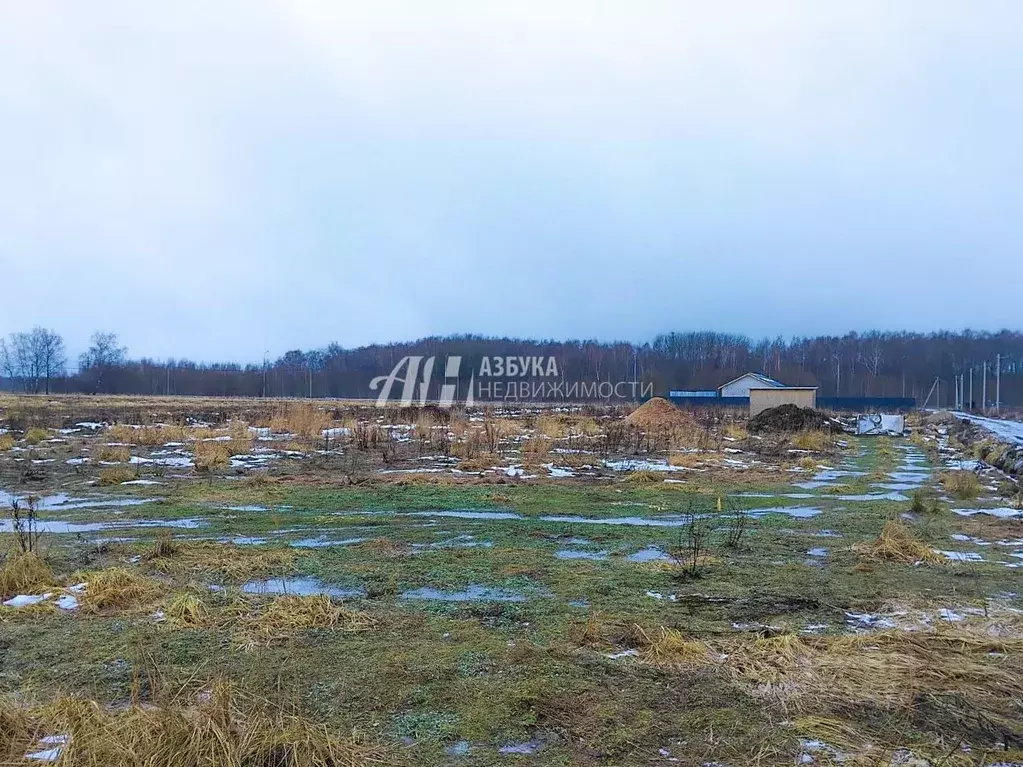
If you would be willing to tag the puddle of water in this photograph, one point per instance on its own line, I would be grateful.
(579, 554)
(529, 747)
(316, 543)
(299, 586)
(889, 496)
(650, 554)
(580, 603)
(818, 552)
(1002, 512)
(909, 477)
(464, 541)
(58, 526)
(473, 593)
(62, 501)
(962, 556)
(467, 514)
(459, 748)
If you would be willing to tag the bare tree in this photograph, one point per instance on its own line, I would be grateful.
(104, 354)
(33, 358)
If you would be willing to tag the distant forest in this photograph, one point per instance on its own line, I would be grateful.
(869, 364)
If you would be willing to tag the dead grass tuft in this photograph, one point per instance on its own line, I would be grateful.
(115, 475)
(645, 476)
(815, 441)
(25, 573)
(287, 614)
(149, 436)
(225, 560)
(223, 730)
(898, 543)
(670, 647)
(113, 454)
(6, 442)
(117, 588)
(300, 418)
(188, 610)
(35, 435)
(963, 485)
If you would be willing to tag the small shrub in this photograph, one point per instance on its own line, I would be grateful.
(35, 435)
(115, 475)
(6, 442)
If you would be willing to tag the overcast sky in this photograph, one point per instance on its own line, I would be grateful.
(217, 179)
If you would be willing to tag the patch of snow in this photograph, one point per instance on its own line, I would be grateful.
(27, 600)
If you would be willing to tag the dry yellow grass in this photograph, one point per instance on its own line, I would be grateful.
(36, 435)
(117, 588)
(225, 560)
(550, 426)
(188, 610)
(150, 436)
(537, 450)
(210, 455)
(481, 462)
(735, 431)
(285, 615)
(963, 485)
(115, 475)
(25, 573)
(670, 647)
(225, 729)
(898, 543)
(6, 442)
(645, 476)
(112, 454)
(303, 419)
(688, 460)
(816, 441)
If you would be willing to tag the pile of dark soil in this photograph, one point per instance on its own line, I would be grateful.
(791, 418)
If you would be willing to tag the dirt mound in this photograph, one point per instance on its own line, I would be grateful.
(657, 413)
(791, 418)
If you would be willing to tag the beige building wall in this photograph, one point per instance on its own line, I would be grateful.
(762, 399)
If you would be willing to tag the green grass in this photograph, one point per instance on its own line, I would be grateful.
(433, 673)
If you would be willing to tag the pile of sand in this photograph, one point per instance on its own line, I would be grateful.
(792, 418)
(658, 413)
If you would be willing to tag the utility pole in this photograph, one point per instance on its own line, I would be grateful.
(263, 390)
(983, 391)
(971, 389)
(998, 384)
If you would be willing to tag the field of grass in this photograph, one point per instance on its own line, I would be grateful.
(349, 599)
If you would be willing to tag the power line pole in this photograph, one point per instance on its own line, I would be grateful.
(983, 391)
(971, 389)
(998, 384)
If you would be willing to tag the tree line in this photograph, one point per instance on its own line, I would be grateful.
(889, 364)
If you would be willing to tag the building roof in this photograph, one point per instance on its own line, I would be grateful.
(769, 383)
(786, 388)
